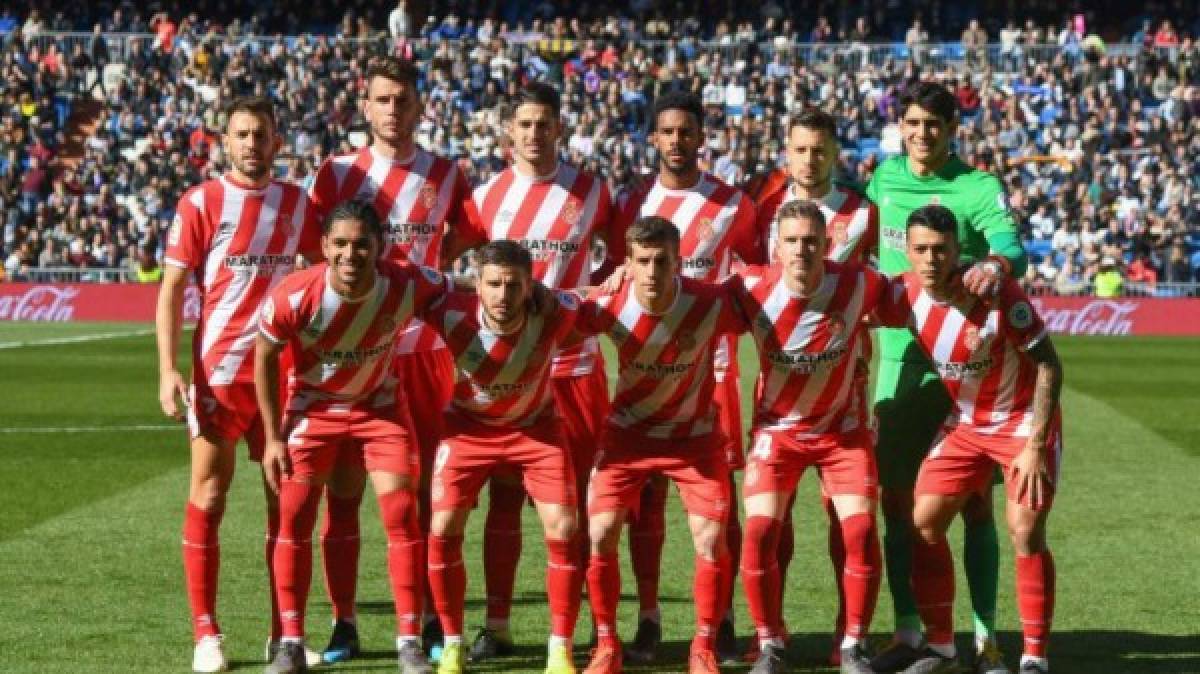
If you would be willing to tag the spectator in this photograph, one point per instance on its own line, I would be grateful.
(974, 42)
(1108, 282)
(917, 40)
(399, 22)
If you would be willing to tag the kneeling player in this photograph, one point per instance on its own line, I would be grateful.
(502, 417)
(805, 314)
(1003, 374)
(665, 328)
(341, 321)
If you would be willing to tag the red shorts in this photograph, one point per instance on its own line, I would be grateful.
(963, 461)
(698, 466)
(425, 386)
(844, 461)
(582, 404)
(471, 452)
(727, 397)
(324, 434)
(227, 412)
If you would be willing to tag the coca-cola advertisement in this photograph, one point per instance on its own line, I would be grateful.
(87, 302)
(1119, 315)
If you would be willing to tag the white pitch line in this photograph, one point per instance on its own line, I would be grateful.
(94, 429)
(75, 339)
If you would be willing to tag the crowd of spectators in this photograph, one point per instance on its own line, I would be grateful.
(1097, 143)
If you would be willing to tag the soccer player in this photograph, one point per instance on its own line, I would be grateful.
(419, 197)
(805, 314)
(665, 328)
(235, 237)
(852, 231)
(341, 320)
(1000, 368)
(554, 210)
(503, 418)
(910, 404)
(716, 222)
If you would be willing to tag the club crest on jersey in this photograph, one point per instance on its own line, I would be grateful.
(704, 229)
(686, 341)
(571, 211)
(388, 325)
(971, 338)
(428, 196)
(837, 326)
(504, 218)
(839, 233)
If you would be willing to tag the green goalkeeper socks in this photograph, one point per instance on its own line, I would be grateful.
(981, 558)
(897, 557)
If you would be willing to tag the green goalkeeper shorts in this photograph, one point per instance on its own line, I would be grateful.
(910, 406)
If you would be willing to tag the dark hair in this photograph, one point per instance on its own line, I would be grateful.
(506, 253)
(392, 68)
(932, 97)
(355, 209)
(935, 217)
(254, 105)
(537, 93)
(801, 208)
(652, 230)
(814, 119)
(678, 100)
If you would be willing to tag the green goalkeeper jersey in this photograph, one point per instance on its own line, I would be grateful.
(975, 197)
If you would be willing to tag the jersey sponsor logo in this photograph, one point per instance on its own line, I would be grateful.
(545, 249)
(485, 392)
(699, 263)
(258, 265)
(957, 371)
(1020, 315)
(406, 232)
(353, 356)
(804, 362)
(661, 370)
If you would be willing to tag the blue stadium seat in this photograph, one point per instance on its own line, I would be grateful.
(1196, 262)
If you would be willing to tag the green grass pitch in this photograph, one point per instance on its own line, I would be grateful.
(95, 481)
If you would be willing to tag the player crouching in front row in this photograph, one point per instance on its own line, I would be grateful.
(1003, 374)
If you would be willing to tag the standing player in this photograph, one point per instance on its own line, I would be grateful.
(418, 196)
(716, 222)
(553, 210)
(1001, 370)
(236, 237)
(853, 235)
(910, 404)
(341, 320)
(805, 314)
(502, 417)
(665, 328)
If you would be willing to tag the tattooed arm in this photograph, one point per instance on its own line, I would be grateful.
(1030, 468)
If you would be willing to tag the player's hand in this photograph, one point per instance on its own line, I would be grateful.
(172, 389)
(983, 279)
(1031, 476)
(615, 280)
(541, 300)
(276, 464)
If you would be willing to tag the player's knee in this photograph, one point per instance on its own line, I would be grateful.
(1028, 535)
(208, 495)
(605, 534)
(709, 541)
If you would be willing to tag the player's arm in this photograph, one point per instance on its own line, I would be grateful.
(1030, 468)
(275, 460)
(750, 244)
(468, 232)
(1007, 258)
(168, 326)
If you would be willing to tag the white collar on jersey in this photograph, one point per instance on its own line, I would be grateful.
(350, 300)
(791, 192)
(699, 181)
(537, 179)
(395, 160)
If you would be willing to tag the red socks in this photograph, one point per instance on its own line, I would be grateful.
(1035, 599)
(340, 546)
(405, 554)
(708, 586)
(448, 581)
(733, 540)
(933, 588)
(201, 565)
(647, 534)
(298, 503)
(562, 572)
(604, 591)
(860, 579)
(760, 574)
(502, 547)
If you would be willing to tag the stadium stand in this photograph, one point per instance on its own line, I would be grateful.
(106, 117)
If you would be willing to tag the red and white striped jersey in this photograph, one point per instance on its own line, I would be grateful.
(417, 198)
(555, 218)
(810, 348)
(343, 349)
(980, 354)
(851, 222)
(503, 379)
(239, 242)
(715, 222)
(665, 381)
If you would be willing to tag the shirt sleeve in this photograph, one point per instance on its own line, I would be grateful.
(993, 219)
(472, 230)
(733, 319)
(307, 220)
(277, 319)
(892, 309)
(749, 245)
(323, 191)
(432, 288)
(189, 237)
(1021, 320)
